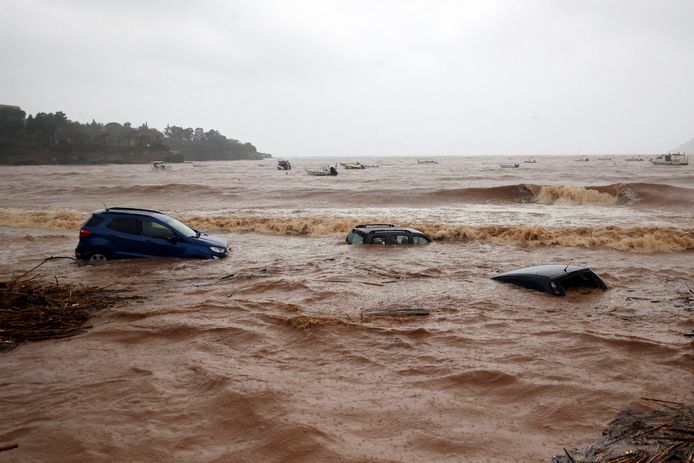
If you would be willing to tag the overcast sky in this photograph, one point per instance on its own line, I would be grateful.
(374, 77)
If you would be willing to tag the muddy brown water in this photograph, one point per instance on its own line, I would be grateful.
(270, 354)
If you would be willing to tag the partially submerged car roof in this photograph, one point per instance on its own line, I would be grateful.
(553, 279)
(370, 227)
(385, 233)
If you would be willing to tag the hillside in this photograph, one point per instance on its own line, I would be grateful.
(51, 138)
(687, 148)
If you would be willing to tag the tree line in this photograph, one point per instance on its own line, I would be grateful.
(49, 138)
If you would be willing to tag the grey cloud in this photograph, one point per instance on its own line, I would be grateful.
(365, 77)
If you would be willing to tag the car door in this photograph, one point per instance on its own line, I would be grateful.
(125, 237)
(160, 240)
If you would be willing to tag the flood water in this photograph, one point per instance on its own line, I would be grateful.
(272, 355)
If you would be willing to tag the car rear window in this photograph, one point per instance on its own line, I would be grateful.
(94, 221)
(131, 226)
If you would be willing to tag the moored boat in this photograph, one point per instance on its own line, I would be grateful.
(670, 159)
(353, 165)
(510, 166)
(160, 165)
(322, 172)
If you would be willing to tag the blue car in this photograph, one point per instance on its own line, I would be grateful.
(125, 233)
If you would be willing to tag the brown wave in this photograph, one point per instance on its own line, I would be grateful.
(637, 194)
(650, 194)
(168, 188)
(52, 220)
(630, 239)
(654, 194)
(635, 239)
(572, 195)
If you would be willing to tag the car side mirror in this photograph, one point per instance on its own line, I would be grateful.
(174, 239)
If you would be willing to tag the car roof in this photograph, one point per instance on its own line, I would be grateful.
(543, 271)
(369, 228)
(131, 211)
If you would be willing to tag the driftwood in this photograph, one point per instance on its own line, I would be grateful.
(665, 434)
(33, 311)
(397, 312)
(8, 447)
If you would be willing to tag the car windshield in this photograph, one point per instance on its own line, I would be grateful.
(180, 227)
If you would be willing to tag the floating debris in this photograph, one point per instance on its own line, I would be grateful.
(404, 312)
(664, 435)
(8, 447)
(32, 311)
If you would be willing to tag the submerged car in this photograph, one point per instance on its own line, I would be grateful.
(379, 233)
(125, 233)
(553, 279)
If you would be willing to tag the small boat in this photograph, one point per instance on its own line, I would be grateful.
(427, 161)
(284, 165)
(160, 165)
(353, 165)
(606, 158)
(670, 159)
(582, 159)
(634, 159)
(530, 161)
(510, 166)
(322, 172)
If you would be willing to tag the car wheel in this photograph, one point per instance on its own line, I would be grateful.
(98, 257)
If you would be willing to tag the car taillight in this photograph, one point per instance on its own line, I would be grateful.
(84, 232)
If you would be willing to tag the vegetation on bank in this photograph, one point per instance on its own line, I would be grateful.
(52, 138)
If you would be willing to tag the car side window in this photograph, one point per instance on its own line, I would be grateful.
(398, 239)
(420, 240)
(155, 229)
(378, 239)
(123, 225)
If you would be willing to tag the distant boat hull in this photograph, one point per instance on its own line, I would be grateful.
(353, 165)
(324, 172)
(674, 159)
